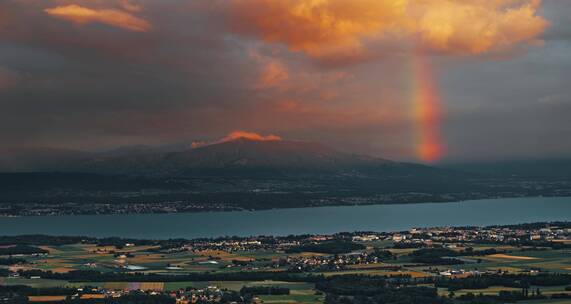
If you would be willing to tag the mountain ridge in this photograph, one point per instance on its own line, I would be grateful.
(240, 153)
(249, 174)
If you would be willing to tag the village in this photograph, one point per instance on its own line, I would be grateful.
(263, 268)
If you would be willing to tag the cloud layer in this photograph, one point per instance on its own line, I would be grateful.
(236, 135)
(113, 17)
(94, 74)
(329, 29)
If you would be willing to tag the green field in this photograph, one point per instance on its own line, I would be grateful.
(149, 260)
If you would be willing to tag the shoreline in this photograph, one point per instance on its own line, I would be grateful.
(90, 239)
(229, 209)
(328, 220)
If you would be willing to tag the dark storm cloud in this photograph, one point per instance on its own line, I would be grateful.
(162, 71)
(98, 80)
(534, 131)
(516, 108)
(559, 14)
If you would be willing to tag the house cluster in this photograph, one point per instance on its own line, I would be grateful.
(521, 234)
(416, 237)
(309, 263)
(229, 245)
(79, 208)
(462, 273)
(210, 294)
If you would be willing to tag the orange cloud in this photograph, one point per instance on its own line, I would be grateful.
(113, 17)
(316, 27)
(291, 106)
(250, 136)
(273, 74)
(131, 7)
(326, 29)
(477, 27)
(239, 135)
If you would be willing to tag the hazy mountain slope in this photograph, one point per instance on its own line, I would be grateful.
(239, 157)
(555, 168)
(244, 173)
(244, 157)
(41, 159)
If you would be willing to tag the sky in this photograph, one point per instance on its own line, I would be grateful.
(420, 80)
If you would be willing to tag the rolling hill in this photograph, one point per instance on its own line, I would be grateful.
(242, 157)
(244, 173)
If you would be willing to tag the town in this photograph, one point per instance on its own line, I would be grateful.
(466, 264)
(272, 194)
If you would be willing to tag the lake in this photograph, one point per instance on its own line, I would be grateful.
(325, 220)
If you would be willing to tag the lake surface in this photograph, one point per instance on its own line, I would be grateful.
(297, 221)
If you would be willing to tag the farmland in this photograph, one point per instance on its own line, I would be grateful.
(461, 263)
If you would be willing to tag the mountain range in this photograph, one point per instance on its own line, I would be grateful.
(254, 173)
(239, 156)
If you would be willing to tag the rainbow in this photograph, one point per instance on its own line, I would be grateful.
(427, 110)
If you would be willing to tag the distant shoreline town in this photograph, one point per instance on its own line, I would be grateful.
(73, 208)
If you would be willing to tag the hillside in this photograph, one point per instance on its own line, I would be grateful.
(244, 173)
(237, 157)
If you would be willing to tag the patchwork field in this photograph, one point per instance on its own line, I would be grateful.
(151, 260)
(295, 298)
(509, 257)
(522, 260)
